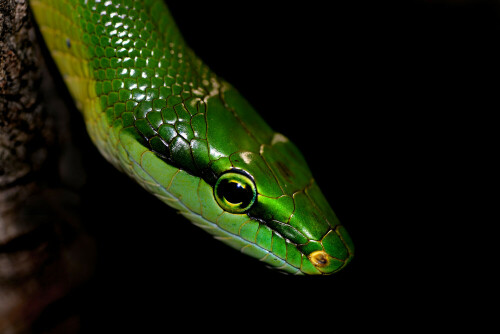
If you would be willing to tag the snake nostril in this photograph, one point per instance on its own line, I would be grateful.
(319, 259)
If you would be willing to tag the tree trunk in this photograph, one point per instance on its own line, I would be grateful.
(45, 253)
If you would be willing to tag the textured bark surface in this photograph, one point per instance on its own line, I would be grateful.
(23, 133)
(45, 254)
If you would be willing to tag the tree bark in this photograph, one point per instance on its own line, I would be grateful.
(46, 254)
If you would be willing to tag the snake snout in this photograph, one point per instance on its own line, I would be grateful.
(333, 251)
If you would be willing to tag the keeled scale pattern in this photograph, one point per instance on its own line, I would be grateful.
(142, 76)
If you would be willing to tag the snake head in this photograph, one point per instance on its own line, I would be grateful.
(294, 227)
(272, 205)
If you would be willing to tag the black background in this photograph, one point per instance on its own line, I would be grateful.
(383, 98)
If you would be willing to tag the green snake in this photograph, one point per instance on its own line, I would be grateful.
(159, 114)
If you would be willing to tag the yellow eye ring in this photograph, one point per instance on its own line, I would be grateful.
(235, 192)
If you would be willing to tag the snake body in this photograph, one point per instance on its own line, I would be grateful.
(159, 114)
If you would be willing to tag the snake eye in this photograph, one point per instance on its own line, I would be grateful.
(235, 192)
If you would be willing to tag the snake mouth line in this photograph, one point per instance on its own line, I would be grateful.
(285, 264)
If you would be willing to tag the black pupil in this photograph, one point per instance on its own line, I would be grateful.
(235, 192)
